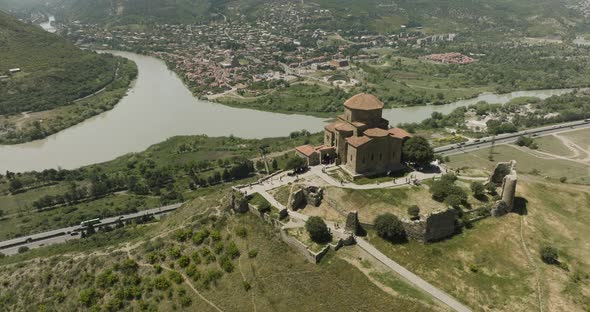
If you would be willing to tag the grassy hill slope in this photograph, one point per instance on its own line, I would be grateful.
(241, 266)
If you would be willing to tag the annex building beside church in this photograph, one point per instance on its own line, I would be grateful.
(360, 140)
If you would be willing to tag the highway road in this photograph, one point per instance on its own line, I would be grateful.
(10, 247)
(472, 145)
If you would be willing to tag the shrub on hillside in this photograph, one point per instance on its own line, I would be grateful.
(414, 211)
(549, 255)
(23, 249)
(478, 189)
(264, 207)
(390, 228)
(445, 188)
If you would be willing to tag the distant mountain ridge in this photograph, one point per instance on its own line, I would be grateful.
(538, 17)
(142, 11)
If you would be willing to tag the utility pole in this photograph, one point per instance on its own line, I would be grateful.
(491, 155)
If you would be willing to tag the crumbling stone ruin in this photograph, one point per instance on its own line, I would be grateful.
(310, 195)
(432, 227)
(238, 202)
(352, 222)
(501, 170)
(504, 175)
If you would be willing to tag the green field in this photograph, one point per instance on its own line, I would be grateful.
(553, 145)
(580, 137)
(527, 162)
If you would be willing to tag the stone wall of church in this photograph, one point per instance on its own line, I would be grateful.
(370, 117)
(378, 156)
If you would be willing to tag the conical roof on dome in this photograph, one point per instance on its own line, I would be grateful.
(364, 101)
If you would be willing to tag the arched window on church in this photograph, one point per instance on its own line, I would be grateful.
(372, 157)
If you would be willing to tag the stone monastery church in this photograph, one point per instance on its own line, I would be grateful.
(360, 140)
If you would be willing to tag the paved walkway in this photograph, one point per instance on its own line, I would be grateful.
(322, 172)
(399, 182)
(413, 278)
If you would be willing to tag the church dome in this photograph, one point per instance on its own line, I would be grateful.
(364, 101)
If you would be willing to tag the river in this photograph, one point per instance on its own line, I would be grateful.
(159, 106)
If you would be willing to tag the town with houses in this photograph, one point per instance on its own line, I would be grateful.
(229, 55)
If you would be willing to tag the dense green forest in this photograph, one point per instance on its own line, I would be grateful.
(53, 71)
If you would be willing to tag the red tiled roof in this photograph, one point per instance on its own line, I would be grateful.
(399, 133)
(324, 148)
(331, 127)
(306, 150)
(357, 141)
(344, 127)
(363, 101)
(376, 133)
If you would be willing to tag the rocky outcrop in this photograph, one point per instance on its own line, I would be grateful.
(238, 202)
(432, 227)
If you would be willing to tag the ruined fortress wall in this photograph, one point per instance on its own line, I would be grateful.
(501, 170)
(509, 189)
(433, 227)
(302, 249)
(441, 225)
(415, 230)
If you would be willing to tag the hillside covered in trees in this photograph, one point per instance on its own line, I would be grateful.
(53, 72)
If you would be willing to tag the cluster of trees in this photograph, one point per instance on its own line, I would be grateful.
(295, 163)
(455, 119)
(445, 190)
(298, 134)
(417, 150)
(527, 141)
(318, 230)
(240, 169)
(72, 196)
(390, 228)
